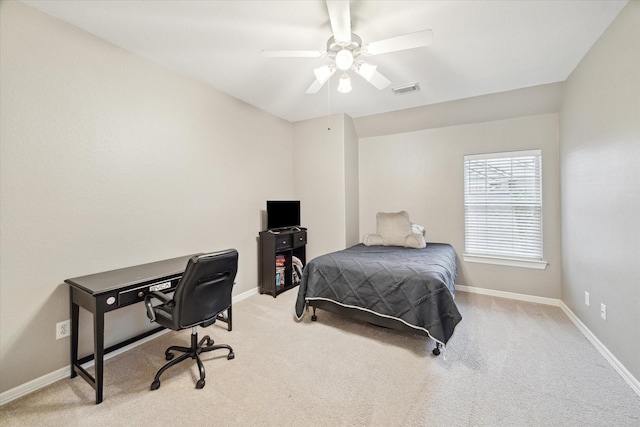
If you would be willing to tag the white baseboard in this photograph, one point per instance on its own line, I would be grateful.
(62, 373)
(33, 385)
(244, 295)
(619, 367)
(509, 295)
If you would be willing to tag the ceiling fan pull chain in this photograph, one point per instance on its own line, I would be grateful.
(329, 104)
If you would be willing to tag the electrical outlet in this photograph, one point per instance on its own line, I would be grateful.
(63, 329)
(586, 299)
(603, 311)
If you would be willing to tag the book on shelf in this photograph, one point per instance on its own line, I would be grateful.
(280, 279)
(281, 261)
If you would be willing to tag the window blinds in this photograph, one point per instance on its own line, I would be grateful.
(503, 205)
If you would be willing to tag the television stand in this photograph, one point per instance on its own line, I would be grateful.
(278, 247)
(285, 229)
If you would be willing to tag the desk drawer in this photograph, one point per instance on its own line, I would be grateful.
(132, 296)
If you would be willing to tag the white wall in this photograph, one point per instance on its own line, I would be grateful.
(600, 157)
(530, 101)
(352, 184)
(109, 160)
(325, 161)
(422, 172)
(318, 174)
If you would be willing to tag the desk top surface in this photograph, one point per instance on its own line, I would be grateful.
(108, 281)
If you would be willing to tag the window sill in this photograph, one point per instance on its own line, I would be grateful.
(511, 262)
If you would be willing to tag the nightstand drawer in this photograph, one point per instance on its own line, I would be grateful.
(284, 242)
(299, 239)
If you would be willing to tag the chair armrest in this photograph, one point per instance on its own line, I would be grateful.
(147, 302)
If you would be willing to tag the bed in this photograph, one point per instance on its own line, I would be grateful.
(395, 287)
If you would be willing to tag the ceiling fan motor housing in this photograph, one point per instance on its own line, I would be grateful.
(355, 46)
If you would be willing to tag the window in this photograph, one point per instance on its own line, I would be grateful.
(503, 208)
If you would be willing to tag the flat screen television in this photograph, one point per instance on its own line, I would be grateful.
(283, 214)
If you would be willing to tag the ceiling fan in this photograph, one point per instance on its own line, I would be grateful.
(346, 48)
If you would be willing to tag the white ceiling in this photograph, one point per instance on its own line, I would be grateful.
(479, 47)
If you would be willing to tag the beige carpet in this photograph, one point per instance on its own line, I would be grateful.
(509, 363)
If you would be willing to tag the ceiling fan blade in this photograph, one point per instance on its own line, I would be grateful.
(407, 41)
(293, 53)
(370, 73)
(322, 75)
(340, 17)
(379, 81)
(314, 88)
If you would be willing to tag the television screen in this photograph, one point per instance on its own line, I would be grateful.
(283, 213)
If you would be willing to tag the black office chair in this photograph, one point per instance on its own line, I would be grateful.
(203, 293)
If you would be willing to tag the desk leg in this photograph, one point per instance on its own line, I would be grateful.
(98, 334)
(75, 313)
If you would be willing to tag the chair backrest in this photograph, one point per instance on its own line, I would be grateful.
(205, 288)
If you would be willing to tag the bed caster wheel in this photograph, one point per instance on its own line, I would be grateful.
(231, 355)
(168, 356)
(314, 318)
(155, 385)
(200, 384)
(436, 351)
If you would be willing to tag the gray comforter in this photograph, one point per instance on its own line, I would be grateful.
(413, 286)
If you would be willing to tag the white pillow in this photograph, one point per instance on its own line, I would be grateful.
(373, 240)
(417, 229)
(394, 227)
(415, 240)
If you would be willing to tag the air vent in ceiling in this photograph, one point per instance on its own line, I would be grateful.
(413, 87)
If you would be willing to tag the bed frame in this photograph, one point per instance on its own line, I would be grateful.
(365, 316)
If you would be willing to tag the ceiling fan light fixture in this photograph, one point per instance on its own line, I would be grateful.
(344, 59)
(344, 85)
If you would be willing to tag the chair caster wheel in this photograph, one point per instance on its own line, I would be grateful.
(155, 385)
(200, 384)
(314, 318)
(168, 356)
(209, 342)
(230, 355)
(436, 351)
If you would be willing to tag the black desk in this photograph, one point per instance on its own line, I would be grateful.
(111, 290)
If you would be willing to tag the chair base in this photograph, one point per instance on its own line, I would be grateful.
(192, 352)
